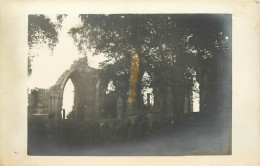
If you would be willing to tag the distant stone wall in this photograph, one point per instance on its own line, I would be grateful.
(39, 101)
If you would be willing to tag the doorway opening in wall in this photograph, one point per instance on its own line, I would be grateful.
(196, 96)
(68, 100)
(147, 91)
(109, 104)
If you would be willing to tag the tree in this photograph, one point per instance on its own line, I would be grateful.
(41, 30)
(169, 46)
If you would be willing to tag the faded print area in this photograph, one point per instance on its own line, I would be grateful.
(129, 84)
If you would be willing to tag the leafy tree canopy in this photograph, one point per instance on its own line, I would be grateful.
(166, 44)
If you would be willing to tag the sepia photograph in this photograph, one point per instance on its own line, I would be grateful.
(129, 84)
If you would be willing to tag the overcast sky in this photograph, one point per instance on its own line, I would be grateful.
(46, 69)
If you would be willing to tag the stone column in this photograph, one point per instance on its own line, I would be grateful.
(120, 108)
(57, 109)
(132, 92)
(158, 100)
(63, 114)
(186, 106)
(169, 102)
(129, 107)
(97, 100)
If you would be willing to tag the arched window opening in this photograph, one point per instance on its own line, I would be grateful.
(110, 101)
(68, 101)
(196, 94)
(147, 90)
(110, 87)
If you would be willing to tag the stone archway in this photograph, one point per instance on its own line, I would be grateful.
(84, 80)
(79, 94)
(104, 101)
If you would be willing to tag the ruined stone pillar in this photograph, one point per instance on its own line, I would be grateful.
(63, 114)
(56, 107)
(191, 102)
(134, 72)
(158, 100)
(169, 103)
(129, 107)
(120, 108)
(186, 105)
(97, 100)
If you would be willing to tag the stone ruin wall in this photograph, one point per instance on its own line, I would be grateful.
(92, 91)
